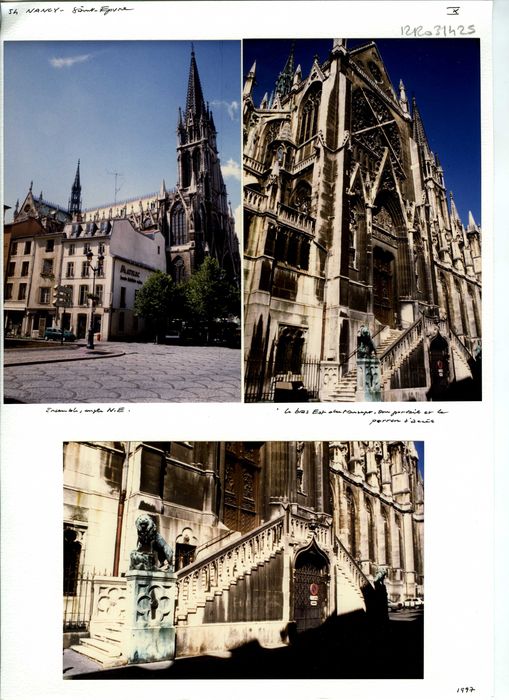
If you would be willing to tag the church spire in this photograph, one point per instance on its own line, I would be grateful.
(195, 104)
(284, 81)
(419, 134)
(75, 199)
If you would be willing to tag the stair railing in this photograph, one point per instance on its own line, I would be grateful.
(358, 577)
(401, 348)
(220, 569)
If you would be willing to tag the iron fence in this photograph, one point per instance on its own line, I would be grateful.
(264, 382)
(78, 598)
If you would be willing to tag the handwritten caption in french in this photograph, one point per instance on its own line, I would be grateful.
(376, 416)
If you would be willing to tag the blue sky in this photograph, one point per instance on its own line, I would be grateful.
(113, 105)
(442, 74)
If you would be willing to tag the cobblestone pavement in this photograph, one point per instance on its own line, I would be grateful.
(128, 373)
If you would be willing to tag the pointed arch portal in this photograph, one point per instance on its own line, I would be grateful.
(311, 587)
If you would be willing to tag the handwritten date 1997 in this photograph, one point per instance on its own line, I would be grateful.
(467, 689)
(438, 30)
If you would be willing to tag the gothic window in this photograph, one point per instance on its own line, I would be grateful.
(400, 543)
(387, 539)
(184, 555)
(352, 238)
(371, 532)
(186, 169)
(285, 284)
(179, 270)
(374, 127)
(289, 350)
(464, 319)
(309, 114)
(241, 489)
(196, 163)
(351, 523)
(265, 275)
(72, 554)
(301, 198)
(178, 225)
(270, 241)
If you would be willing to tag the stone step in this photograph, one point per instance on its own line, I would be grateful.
(105, 647)
(96, 655)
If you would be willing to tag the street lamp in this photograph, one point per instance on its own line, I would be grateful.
(100, 259)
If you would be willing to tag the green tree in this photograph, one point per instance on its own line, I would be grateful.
(210, 295)
(155, 302)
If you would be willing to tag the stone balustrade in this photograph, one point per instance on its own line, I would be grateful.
(255, 200)
(253, 164)
(356, 575)
(201, 580)
(396, 353)
(295, 218)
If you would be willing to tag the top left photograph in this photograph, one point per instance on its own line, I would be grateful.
(122, 206)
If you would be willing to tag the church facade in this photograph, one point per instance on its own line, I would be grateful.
(171, 230)
(266, 536)
(361, 281)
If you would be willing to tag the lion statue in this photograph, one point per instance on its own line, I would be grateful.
(150, 541)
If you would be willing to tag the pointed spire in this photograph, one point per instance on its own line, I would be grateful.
(16, 208)
(419, 134)
(472, 226)
(403, 101)
(285, 78)
(297, 77)
(162, 191)
(75, 198)
(454, 212)
(40, 197)
(250, 81)
(195, 104)
(31, 185)
(265, 101)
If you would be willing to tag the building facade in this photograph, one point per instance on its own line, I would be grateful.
(252, 526)
(350, 236)
(172, 230)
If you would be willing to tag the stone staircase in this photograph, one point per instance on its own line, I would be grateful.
(106, 622)
(104, 649)
(350, 582)
(201, 581)
(347, 385)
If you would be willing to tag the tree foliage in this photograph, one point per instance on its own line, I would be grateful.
(154, 301)
(210, 295)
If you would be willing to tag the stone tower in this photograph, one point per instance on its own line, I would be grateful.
(75, 198)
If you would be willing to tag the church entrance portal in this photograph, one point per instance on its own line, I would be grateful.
(310, 592)
(383, 287)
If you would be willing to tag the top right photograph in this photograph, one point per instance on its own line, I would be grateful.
(362, 220)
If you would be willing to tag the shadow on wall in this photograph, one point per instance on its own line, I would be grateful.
(354, 645)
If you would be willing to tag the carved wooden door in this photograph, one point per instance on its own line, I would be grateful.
(241, 488)
(383, 291)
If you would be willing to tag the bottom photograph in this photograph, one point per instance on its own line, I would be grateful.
(243, 560)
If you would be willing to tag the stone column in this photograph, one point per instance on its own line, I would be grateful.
(409, 555)
(150, 607)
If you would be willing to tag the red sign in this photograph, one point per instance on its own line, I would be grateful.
(313, 589)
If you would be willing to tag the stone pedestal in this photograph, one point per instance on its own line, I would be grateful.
(368, 379)
(149, 629)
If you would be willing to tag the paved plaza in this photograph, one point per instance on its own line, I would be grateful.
(123, 373)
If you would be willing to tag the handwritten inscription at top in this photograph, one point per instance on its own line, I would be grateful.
(76, 9)
(438, 30)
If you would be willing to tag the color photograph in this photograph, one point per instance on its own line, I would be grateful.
(362, 268)
(213, 559)
(122, 186)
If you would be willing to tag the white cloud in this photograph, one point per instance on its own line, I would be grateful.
(69, 61)
(231, 107)
(231, 169)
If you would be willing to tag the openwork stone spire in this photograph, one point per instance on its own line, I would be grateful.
(75, 199)
(195, 104)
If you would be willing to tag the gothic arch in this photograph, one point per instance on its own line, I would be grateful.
(301, 197)
(352, 524)
(179, 270)
(310, 586)
(310, 107)
(186, 168)
(387, 537)
(178, 225)
(371, 530)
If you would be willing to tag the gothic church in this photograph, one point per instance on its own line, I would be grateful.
(361, 282)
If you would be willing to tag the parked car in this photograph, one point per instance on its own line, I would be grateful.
(56, 334)
(394, 606)
(414, 603)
